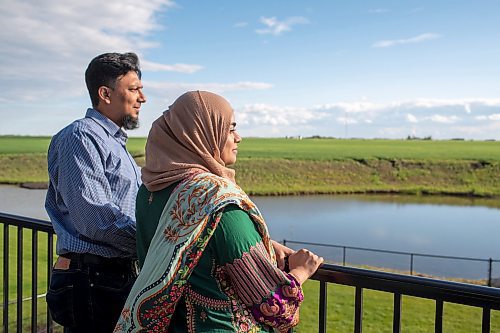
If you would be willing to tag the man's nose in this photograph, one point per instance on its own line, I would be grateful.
(142, 97)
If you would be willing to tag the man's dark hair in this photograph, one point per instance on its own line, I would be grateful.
(106, 69)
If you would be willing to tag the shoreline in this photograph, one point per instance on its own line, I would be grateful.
(466, 195)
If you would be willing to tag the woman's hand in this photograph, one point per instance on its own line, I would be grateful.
(303, 264)
(281, 252)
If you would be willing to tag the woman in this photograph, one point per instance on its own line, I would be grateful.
(208, 263)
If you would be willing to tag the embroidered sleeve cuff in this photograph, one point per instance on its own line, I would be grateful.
(281, 310)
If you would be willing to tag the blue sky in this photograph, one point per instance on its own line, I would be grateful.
(371, 69)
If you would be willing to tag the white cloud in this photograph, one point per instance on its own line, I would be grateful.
(264, 114)
(411, 40)
(276, 27)
(411, 118)
(181, 68)
(174, 88)
(353, 107)
(347, 120)
(467, 108)
(166, 92)
(46, 45)
(483, 131)
(437, 118)
(494, 117)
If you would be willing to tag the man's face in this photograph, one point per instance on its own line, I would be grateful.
(126, 99)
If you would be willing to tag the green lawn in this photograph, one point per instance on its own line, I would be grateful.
(312, 149)
(336, 149)
(24, 144)
(319, 166)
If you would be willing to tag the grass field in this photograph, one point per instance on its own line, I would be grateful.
(316, 166)
(311, 149)
(336, 149)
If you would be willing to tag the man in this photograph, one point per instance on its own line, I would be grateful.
(91, 200)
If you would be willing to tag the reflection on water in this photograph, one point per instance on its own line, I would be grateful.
(432, 225)
(444, 226)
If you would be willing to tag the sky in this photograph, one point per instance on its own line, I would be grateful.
(344, 69)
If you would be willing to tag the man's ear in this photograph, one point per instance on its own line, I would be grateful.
(104, 94)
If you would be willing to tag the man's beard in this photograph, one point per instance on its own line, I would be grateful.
(130, 123)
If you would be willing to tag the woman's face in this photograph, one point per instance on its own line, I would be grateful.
(230, 151)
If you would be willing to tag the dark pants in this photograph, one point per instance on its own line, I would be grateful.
(89, 297)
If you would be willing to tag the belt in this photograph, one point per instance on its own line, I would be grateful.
(92, 259)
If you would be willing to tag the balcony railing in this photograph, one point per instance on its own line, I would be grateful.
(411, 255)
(20, 230)
(486, 298)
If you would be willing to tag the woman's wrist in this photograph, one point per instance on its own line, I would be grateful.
(299, 274)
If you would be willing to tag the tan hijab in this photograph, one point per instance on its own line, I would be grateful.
(188, 137)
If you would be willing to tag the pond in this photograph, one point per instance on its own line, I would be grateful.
(460, 227)
(431, 225)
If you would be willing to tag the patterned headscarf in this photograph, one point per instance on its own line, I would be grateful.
(189, 137)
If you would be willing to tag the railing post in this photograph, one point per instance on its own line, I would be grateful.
(396, 320)
(490, 269)
(343, 256)
(50, 255)
(486, 320)
(323, 304)
(358, 311)
(34, 280)
(438, 321)
(284, 242)
(19, 279)
(411, 264)
(6, 256)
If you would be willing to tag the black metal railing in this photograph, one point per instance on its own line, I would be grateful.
(17, 229)
(486, 298)
(488, 262)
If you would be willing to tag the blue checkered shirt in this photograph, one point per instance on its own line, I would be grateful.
(93, 183)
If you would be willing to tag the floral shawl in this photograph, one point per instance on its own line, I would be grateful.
(185, 227)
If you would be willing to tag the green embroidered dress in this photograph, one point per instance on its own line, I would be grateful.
(209, 266)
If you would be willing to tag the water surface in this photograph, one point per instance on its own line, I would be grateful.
(431, 225)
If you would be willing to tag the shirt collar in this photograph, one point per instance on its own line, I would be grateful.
(109, 126)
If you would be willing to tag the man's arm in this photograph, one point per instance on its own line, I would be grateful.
(88, 195)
